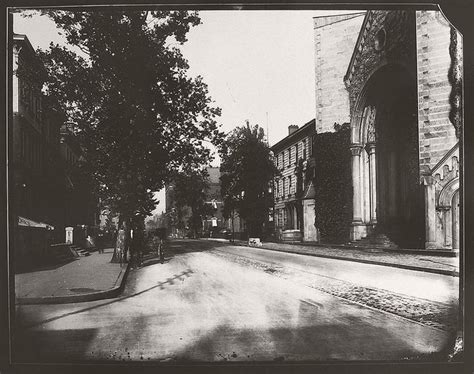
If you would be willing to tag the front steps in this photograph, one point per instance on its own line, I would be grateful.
(376, 241)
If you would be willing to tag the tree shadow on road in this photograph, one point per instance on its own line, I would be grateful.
(179, 247)
(41, 346)
(161, 285)
(315, 340)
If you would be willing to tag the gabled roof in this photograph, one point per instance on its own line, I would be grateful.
(322, 21)
(359, 45)
(24, 40)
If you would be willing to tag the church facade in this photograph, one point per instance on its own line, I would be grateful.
(396, 78)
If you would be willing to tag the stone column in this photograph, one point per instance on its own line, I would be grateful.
(372, 182)
(393, 185)
(430, 212)
(448, 225)
(356, 185)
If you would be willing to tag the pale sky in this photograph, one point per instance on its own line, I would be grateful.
(259, 65)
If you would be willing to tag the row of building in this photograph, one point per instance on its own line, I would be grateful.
(380, 161)
(47, 192)
(393, 81)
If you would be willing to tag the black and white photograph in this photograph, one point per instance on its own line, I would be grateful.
(232, 185)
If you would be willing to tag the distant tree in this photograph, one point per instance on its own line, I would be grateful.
(190, 189)
(247, 170)
(110, 225)
(138, 116)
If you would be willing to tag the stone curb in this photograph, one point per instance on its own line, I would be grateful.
(428, 252)
(452, 273)
(91, 296)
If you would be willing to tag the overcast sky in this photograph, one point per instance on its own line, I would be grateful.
(259, 65)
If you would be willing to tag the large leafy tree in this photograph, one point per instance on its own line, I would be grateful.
(138, 115)
(247, 171)
(190, 189)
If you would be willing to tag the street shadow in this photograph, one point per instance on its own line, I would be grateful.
(24, 324)
(178, 247)
(44, 266)
(353, 339)
(51, 346)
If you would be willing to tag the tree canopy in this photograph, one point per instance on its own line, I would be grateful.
(247, 171)
(138, 115)
(190, 189)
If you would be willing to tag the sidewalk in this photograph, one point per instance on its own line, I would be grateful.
(412, 261)
(84, 279)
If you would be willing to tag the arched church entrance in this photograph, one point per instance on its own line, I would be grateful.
(390, 200)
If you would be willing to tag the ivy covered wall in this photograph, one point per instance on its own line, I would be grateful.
(333, 184)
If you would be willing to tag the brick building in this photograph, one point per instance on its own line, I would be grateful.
(79, 204)
(395, 76)
(35, 141)
(294, 203)
(43, 156)
(214, 200)
(178, 217)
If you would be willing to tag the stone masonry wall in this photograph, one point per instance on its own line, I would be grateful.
(335, 38)
(399, 49)
(436, 133)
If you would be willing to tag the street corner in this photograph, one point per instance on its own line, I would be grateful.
(89, 278)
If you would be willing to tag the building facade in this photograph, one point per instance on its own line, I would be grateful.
(216, 221)
(294, 203)
(403, 86)
(35, 141)
(46, 189)
(177, 218)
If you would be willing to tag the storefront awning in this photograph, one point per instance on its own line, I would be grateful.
(22, 221)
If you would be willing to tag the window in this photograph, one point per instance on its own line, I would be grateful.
(283, 185)
(289, 185)
(296, 153)
(304, 149)
(289, 157)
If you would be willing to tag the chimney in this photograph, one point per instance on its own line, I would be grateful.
(292, 129)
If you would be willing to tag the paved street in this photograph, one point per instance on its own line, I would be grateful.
(213, 302)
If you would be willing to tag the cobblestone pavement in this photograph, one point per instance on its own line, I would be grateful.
(435, 314)
(378, 255)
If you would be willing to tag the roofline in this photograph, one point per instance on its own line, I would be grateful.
(293, 135)
(354, 52)
(348, 15)
(24, 38)
(343, 14)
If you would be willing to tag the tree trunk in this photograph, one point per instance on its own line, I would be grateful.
(116, 255)
(126, 250)
(233, 225)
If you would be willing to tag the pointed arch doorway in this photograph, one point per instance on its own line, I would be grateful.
(387, 195)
